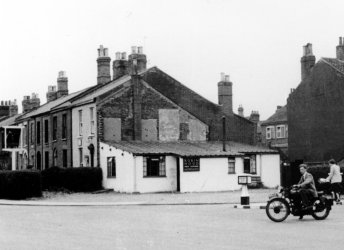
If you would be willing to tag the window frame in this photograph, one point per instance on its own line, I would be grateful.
(38, 132)
(64, 126)
(231, 168)
(280, 131)
(149, 171)
(80, 122)
(54, 128)
(92, 123)
(46, 131)
(111, 167)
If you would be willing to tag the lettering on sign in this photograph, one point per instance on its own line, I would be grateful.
(191, 164)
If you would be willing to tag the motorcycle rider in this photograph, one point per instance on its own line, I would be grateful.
(307, 187)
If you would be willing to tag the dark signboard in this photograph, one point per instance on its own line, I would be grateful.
(191, 164)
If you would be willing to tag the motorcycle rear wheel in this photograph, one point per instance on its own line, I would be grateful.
(321, 214)
(277, 209)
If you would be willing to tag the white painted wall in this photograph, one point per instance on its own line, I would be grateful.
(157, 184)
(86, 138)
(213, 176)
(270, 170)
(124, 180)
(129, 173)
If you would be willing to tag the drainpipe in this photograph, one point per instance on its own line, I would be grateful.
(224, 133)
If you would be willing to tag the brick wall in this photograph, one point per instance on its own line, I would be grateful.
(238, 129)
(316, 116)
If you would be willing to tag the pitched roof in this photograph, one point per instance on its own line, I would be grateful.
(50, 105)
(278, 117)
(334, 63)
(9, 121)
(187, 148)
(98, 91)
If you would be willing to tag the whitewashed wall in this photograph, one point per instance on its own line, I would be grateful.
(124, 180)
(157, 184)
(213, 176)
(86, 138)
(270, 170)
(129, 173)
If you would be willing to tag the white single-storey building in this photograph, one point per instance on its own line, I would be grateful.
(140, 166)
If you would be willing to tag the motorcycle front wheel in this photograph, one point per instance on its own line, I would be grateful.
(277, 209)
(321, 210)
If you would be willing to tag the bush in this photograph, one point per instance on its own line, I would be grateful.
(83, 179)
(21, 184)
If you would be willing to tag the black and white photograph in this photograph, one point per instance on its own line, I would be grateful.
(160, 124)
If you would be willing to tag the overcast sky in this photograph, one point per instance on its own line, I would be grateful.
(258, 43)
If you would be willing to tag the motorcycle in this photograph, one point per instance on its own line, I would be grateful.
(287, 201)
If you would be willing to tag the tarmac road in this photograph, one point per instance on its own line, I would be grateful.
(163, 227)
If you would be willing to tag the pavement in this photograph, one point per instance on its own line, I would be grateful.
(258, 199)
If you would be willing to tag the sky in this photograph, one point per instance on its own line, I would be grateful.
(258, 43)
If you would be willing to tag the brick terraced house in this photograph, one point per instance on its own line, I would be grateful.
(316, 109)
(109, 124)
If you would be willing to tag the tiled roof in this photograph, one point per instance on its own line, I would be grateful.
(9, 121)
(335, 63)
(184, 148)
(99, 91)
(50, 105)
(279, 117)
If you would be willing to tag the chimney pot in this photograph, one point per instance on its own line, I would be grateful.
(140, 50)
(226, 78)
(62, 74)
(222, 77)
(124, 56)
(118, 55)
(133, 50)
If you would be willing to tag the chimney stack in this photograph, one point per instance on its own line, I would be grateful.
(254, 117)
(103, 62)
(120, 65)
(340, 49)
(137, 60)
(52, 93)
(13, 108)
(30, 104)
(307, 61)
(241, 111)
(62, 84)
(225, 94)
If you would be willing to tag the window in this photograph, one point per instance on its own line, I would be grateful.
(154, 166)
(64, 126)
(92, 120)
(31, 133)
(250, 165)
(270, 132)
(38, 132)
(80, 156)
(190, 164)
(80, 122)
(46, 160)
(231, 165)
(111, 167)
(55, 158)
(281, 131)
(54, 128)
(64, 157)
(46, 131)
(24, 135)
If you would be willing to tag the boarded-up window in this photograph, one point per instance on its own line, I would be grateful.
(112, 129)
